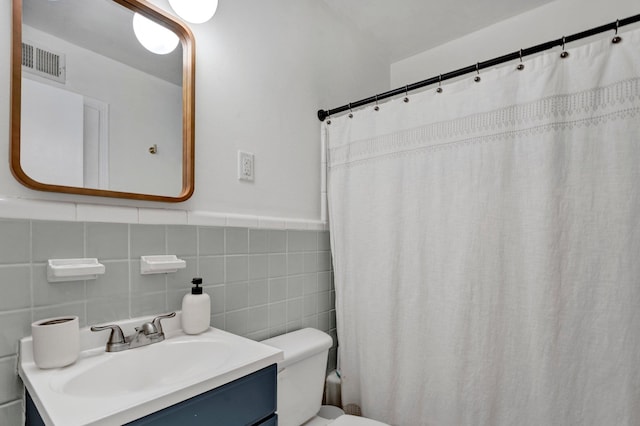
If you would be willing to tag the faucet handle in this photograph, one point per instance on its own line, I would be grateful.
(117, 336)
(147, 329)
(156, 320)
(116, 340)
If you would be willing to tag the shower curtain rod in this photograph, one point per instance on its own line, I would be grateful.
(322, 114)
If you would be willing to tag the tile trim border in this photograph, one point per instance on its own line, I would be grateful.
(17, 208)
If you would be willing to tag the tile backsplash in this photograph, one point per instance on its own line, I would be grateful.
(262, 283)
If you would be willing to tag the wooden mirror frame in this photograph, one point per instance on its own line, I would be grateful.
(188, 107)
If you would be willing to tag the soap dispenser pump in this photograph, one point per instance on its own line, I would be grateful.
(196, 309)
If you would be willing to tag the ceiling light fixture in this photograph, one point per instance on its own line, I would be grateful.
(154, 37)
(195, 11)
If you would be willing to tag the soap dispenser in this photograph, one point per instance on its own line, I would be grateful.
(196, 309)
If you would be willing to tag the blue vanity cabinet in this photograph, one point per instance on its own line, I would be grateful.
(271, 421)
(32, 417)
(250, 400)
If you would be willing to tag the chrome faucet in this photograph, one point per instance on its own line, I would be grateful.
(147, 334)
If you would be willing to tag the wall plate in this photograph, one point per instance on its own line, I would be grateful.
(246, 166)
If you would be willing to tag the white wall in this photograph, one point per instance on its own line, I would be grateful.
(268, 67)
(548, 22)
(263, 69)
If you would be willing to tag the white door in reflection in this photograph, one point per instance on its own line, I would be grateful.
(51, 148)
(96, 144)
(65, 138)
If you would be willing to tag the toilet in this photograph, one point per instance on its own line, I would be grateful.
(301, 378)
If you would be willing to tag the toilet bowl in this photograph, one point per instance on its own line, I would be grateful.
(301, 380)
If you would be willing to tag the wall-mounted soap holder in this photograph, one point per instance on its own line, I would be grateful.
(73, 269)
(160, 264)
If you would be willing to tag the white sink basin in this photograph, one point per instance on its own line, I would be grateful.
(104, 388)
(136, 370)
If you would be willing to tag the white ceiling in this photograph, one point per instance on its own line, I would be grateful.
(402, 28)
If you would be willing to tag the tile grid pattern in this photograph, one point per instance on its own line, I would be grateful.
(262, 283)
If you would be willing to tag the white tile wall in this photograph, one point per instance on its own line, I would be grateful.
(162, 216)
(43, 210)
(113, 214)
(15, 208)
(242, 221)
(206, 218)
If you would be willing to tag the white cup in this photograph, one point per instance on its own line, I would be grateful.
(56, 341)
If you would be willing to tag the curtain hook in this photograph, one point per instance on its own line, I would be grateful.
(376, 108)
(328, 118)
(350, 111)
(439, 89)
(564, 53)
(616, 39)
(520, 66)
(406, 94)
(477, 77)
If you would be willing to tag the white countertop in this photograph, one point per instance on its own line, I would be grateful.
(196, 374)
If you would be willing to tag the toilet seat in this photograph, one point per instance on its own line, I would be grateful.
(347, 420)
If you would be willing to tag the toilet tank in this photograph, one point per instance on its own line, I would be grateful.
(301, 374)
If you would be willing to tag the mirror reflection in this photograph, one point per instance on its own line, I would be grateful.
(99, 110)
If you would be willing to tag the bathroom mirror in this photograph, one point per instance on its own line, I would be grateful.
(93, 112)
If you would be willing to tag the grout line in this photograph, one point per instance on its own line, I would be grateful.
(129, 272)
(6, 404)
(31, 286)
(166, 278)
(197, 251)
(13, 265)
(85, 312)
(8, 357)
(16, 311)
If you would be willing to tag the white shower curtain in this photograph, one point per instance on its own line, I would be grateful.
(486, 245)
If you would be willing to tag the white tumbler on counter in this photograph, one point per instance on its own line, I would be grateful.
(56, 341)
(196, 309)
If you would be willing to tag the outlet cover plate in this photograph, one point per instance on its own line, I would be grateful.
(246, 166)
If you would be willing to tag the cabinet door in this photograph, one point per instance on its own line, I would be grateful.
(247, 401)
(271, 421)
(31, 414)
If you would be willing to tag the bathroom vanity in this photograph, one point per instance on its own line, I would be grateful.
(214, 378)
(250, 400)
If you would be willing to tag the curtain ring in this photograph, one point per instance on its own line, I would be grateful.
(477, 77)
(616, 39)
(520, 66)
(406, 94)
(376, 108)
(350, 111)
(439, 89)
(564, 53)
(328, 118)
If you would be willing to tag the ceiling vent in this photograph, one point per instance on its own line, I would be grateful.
(43, 62)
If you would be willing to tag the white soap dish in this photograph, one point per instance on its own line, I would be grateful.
(73, 269)
(161, 264)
